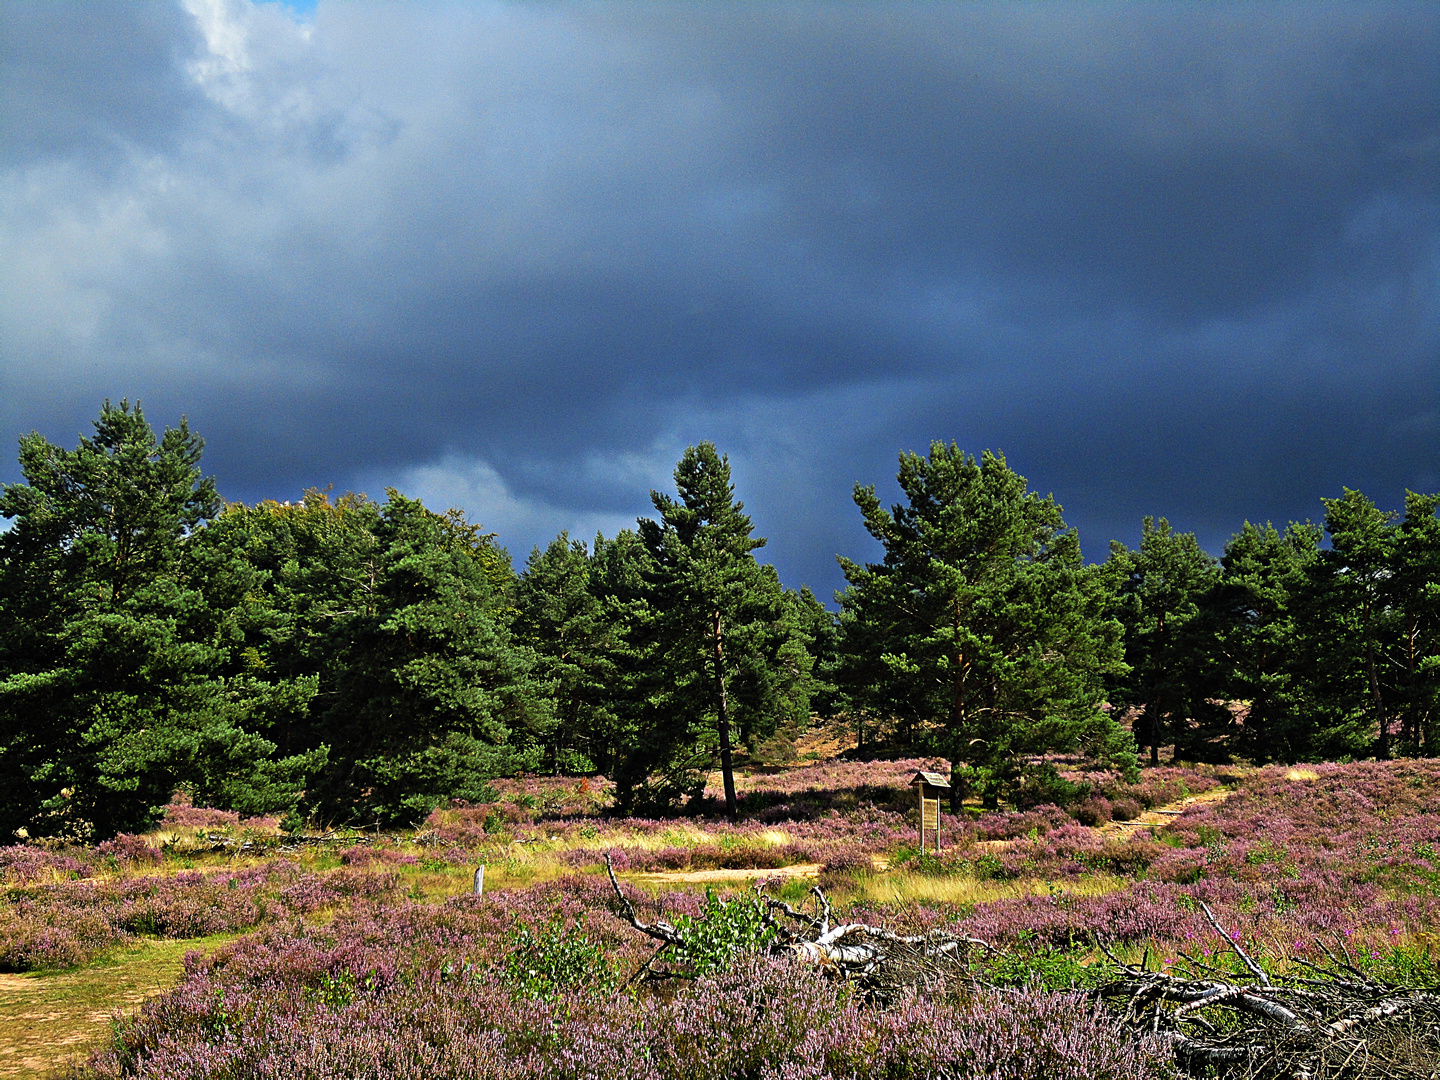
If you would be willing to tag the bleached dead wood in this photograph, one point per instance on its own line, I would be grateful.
(1338, 1023)
(880, 959)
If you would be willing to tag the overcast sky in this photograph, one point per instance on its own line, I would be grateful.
(1171, 259)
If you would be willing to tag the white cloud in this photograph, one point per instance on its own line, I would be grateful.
(473, 485)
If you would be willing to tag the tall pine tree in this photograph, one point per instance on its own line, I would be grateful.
(982, 628)
(1158, 597)
(1254, 629)
(720, 615)
(122, 674)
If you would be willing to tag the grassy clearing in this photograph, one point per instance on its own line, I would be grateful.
(899, 887)
(50, 1018)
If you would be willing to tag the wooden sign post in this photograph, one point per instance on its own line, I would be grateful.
(931, 787)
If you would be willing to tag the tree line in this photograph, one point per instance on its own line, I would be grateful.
(350, 660)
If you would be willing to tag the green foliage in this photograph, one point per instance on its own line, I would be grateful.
(122, 670)
(1042, 964)
(1158, 597)
(378, 659)
(728, 652)
(580, 638)
(1044, 784)
(557, 959)
(432, 696)
(982, 632)
(1407, 965)
(1257, 619)
(725, 928)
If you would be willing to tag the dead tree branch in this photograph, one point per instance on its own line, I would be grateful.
(880, 960)
(1336, 1023)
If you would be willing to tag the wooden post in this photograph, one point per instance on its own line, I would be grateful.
(479, 888)
(921, 789)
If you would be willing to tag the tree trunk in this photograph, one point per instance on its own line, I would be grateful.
(1152, 713)
(1384, 750)
(727, 766)
(1153, 708)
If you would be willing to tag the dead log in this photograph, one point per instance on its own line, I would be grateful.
(1336, 1023)
(880, 960)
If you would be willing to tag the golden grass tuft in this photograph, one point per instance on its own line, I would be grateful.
(906, 888)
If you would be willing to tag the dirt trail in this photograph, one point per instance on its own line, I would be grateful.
(50, 1018)
(1158, 816)
(1161, 815)
(1152, 818)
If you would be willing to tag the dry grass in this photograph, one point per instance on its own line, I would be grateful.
(907, 888)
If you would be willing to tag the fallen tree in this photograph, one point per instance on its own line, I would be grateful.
(1331, 1022)
(1335, 1022)
(881, 963)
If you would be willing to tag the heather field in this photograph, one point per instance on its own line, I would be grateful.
(364, 954)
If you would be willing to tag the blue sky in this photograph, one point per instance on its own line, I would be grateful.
(1178, 260)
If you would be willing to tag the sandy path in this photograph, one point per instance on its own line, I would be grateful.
(1161, 815)
(1158, 816)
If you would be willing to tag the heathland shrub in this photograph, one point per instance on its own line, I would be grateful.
(70, 922)
(129, 850)
(1125, 809)
(324, 1004)
(365, 854)
(21, 863)
(1092, 811)
(34, 937)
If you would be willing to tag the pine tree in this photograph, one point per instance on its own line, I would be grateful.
(1160, 587)
(433, 698)
(578, 641)
(982, 629)
(1255, 622)
(1413, 592)
(1356, 570)
(120, 679)
(718, 611)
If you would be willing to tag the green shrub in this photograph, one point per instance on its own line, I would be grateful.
(554, 960)
(724, 929)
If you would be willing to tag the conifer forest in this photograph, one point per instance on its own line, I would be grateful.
(637, 808)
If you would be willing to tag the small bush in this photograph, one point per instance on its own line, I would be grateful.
(1125, 809)
(555, 960)
(22, 863)
(723, 929)
(1044, 784)
(130, 850)
(1092, 811)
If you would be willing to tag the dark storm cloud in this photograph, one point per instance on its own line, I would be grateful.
(1177, 260)
(88, 79)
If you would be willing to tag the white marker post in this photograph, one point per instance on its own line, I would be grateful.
(479, 889)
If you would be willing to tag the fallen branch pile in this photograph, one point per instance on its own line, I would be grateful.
(1335, 1022)
(1331, 1023)
(881, 962)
